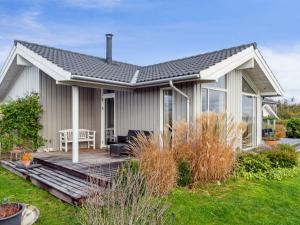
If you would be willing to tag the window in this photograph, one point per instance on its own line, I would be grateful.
(214, 96)
(167, 108)
(249, 114)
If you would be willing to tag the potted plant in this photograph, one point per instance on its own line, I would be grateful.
(11, 213)
(26, 159)
(271, 140)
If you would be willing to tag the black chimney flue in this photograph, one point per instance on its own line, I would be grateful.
(109, 48)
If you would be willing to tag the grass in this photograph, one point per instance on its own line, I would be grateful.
(239, 202)
(52, 210)
(235, 202)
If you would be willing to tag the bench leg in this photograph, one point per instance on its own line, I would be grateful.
(88, 144)
(94, 144)
(66, 146)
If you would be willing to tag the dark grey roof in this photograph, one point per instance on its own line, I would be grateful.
(188, 65)
(91, 66)
(84, 65)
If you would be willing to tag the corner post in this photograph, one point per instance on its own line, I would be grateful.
(75, 124)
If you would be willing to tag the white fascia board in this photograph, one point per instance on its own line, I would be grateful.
(267, 71)
(22, 62)
(227, 65)
(7, 63)
(45, 65)
(270, 111)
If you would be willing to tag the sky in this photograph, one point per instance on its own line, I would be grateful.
(152, 31)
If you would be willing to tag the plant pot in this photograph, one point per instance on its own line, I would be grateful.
(14, 219)
(271, 143)
(26, 163)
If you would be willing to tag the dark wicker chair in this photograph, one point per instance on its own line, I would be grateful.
(121, 146)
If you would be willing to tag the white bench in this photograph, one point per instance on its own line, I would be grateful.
(84, 135)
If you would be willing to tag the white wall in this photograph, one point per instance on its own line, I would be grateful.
(25, 82)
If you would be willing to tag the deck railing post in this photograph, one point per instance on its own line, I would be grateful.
(75, 123)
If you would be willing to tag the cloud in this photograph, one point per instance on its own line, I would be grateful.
(92, 3)
(285, 64)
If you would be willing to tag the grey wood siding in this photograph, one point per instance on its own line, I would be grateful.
(234, 94)
(137, 109)
(57, 105)
(140, 109)
(25, 82)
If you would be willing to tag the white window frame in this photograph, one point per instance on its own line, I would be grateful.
(255, 113)
(103, 97)
(208, 88)
(161, 113)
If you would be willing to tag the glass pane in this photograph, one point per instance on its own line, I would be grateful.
(167, 104)
(204, 100)
(109, 120)
(221, 83)
(217, 101)
(246, 87)
(249, 116)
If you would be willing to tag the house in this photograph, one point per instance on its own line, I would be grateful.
(111, 97)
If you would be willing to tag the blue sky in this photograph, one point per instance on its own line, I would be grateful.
(148, 32)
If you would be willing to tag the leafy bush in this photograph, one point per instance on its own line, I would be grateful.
(283, 156)
(277, 163)
(253, 162)
(293, 128)
(20, 123)
(184, 174)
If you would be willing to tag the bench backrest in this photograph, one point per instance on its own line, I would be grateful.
(68, 133)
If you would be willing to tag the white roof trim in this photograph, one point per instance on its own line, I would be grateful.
(135, 77)
(227, 65)
(45, 65)
(233, 62)
(269, 110)
(7, 63)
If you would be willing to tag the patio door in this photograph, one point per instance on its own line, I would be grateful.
(107, 119)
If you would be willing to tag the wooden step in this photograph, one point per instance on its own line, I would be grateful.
(64, 186)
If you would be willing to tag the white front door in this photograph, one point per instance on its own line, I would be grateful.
(107, 119)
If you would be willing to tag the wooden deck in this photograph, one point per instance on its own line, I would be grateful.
(55, 172)
(92, 163)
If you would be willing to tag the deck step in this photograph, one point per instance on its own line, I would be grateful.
(64, 186)
(102, 173)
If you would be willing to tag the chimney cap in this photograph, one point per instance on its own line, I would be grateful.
(109, 35)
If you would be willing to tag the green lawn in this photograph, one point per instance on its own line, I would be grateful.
(236, 202)
(53, 211)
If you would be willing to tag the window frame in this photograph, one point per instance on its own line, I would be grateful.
(162, 107)
(255, 112)
(208, 88)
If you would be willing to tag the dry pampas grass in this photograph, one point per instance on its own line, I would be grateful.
(157, 164)
(208, 146)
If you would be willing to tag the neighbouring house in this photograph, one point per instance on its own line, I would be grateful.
(111, 97)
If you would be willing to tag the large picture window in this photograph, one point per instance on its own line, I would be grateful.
(214, 96)
(249, 110)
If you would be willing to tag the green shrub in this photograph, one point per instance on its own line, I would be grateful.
(293, 128)
(20, 123)
(253, 162)
(283, 156)
(184, 174)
